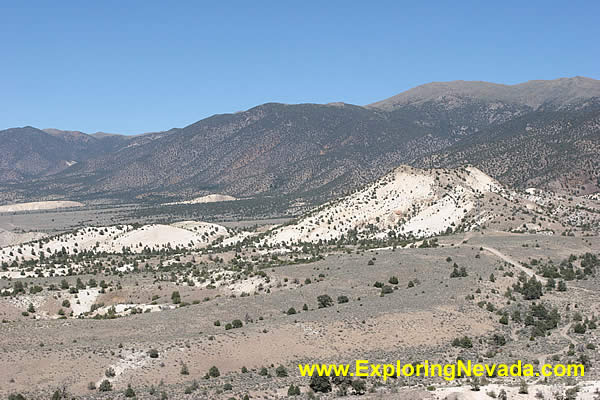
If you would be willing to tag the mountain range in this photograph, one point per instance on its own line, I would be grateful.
(539, 133)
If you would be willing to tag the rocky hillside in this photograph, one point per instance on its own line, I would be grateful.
(411, 203)
(29, 153)
(407, 202)
(110, 239)
(523, 135)
(552, 148)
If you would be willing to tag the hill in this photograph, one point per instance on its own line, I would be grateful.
(411, 203)
(28, 153)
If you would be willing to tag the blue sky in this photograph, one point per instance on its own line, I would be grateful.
(140, 66)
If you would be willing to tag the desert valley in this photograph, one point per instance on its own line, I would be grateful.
(299, 200)
(421, 264)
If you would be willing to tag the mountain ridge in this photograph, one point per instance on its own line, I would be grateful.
(317, 151)
(532, 93)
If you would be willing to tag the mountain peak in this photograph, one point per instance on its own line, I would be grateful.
(533, 93)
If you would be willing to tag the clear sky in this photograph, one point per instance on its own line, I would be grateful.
(140, 66)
